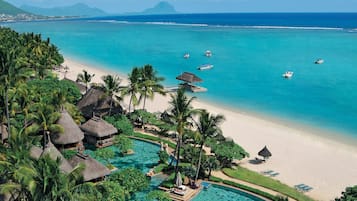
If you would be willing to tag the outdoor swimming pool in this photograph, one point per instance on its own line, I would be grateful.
(144, 158)
(217, 192)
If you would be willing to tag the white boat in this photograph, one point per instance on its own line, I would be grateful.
(205, 67)
(288, 74)
(208, 53)
(319, 61)
(186, 56)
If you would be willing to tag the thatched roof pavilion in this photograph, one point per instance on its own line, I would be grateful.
(189, 77)
(72, 133)
(99, 132)
(3, 133)
(98, 127)
(95, 102)
(93, 169)
(37, 152)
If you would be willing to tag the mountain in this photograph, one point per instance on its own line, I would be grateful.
(78, 9)
(162, 7)
(8, 9)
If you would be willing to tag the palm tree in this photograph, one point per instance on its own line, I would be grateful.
(180, 115)
(85, 78)
(211, 163)
(11, 73)
(45, 118)
(134, 86)
(111, 86)
(150, 84)
(208, 127)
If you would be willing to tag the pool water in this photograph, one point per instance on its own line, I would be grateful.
(144, 158)
(216, 192)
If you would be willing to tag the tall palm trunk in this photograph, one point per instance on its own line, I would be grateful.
(111, 105)
(199, 162)
(7, 112)
(131, 99)
(144, 101)
(178, 155)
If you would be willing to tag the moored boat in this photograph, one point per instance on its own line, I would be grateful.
(288, 74)
(319, 61)
(208, 53)
(205, 67)
(186, 56)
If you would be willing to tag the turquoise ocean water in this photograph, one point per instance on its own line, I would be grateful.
(248, 63)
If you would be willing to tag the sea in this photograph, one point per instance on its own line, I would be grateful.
(250, 52)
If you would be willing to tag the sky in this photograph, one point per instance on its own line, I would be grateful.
(206, 6)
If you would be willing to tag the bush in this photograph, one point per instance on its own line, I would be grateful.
(164, 157)
(131, 179)
(68, 154)
(122, 123)
(123, 143)
(215, 179)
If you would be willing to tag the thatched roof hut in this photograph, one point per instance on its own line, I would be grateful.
(80, 86)
(95, 102)
(97, 127)
(3, 133)
(72, 133)
(37, 152)
(93, 169)
(189, 77)
(265, 152)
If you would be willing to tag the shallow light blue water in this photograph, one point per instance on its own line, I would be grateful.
(248, 64)
(215, 192)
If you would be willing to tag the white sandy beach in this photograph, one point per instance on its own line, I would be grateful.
(299, 156)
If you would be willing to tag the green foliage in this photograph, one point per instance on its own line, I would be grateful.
(349, 194)
(158, 195)
(160, 168)
(105, 154)
(215, 179)
(280, 198)
(122, 123)
(111, 191)
(267, 182)
(68, 154)
(164, 157)
(227, 151)
(123, 143)
(131, 179)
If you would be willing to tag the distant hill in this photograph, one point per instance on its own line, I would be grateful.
(8, 9)
(162, 7)
(74, 10)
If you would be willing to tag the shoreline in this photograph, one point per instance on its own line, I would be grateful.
(300, 155)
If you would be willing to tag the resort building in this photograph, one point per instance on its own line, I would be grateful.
(94, 171)
(96, 103)
(98, 132)
(72, 136)
(37, 152)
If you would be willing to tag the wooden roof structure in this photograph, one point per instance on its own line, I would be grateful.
(93, 169)
(189, 77)
(37, 152)
(98, 127)
(72, 133)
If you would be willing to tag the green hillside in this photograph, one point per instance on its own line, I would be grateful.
(6, 8)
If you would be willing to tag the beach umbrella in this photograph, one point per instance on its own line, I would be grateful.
(264, 152)
(161, 146)
(178, 181)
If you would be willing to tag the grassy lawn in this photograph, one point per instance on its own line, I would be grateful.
(267, 182)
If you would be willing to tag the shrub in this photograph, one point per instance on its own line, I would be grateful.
(122, 123)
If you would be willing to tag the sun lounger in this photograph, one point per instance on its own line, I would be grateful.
(303, 188)
(274, 174)
(267, 172)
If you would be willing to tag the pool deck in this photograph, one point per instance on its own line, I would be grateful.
(188, 195)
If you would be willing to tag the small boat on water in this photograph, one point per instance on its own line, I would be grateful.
(288, 74)
(205, 67)
(186, 56)
(208, 53)
(319, 61)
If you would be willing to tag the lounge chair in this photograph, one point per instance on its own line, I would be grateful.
(267, 172)
(303, 188)
(274, 174)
